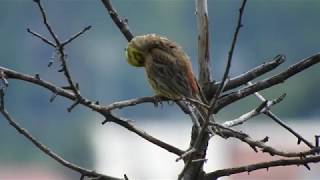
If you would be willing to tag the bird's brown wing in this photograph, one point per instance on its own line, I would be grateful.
(170, 73)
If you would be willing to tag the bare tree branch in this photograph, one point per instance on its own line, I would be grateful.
(267, 83)
(247, 76)
(199, 142)
(195, 156)
(10, 74)
(264, 106)
(263, 165)
(281, 123)
(45, 21)
(135, 101)
(62, 56)
(191, 171)
(41, 37)
(126, 124)
(230, 54)
(203, 42)
(76, 36)
(46, 150)
(296, 134)
(254, 144)
(120, 22)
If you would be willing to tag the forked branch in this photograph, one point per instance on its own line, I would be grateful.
(103, 110)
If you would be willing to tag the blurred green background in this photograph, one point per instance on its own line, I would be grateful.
(97, 62)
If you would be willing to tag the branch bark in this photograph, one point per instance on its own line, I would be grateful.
(203, 42)
(254, 144)
(126, 124)
(120, 22)
(47, 151)
(103, 110)
(246, 77)
(194, 170)
(267, 83)
(263, 107)
(263, 165)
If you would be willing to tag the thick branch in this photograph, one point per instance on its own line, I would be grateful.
(120, 22)
(199, 140)
(193, 170)
(267, 83)
(203, 42)
(263, 165)
(247, 76)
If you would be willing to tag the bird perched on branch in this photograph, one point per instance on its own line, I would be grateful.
(167, 66)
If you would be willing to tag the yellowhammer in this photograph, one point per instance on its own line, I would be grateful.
(169, 71)
(167, 66)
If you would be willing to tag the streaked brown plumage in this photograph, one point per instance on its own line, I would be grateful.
(167, 66)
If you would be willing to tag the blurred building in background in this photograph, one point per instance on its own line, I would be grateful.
(98, 64)
(117, 151)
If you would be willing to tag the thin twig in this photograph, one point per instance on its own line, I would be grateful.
(263, 165)
(46, 23)
(281, 123)
(62, 56)
(297, 135)
(41, 37)
(230, 55)
(126, 124)
(254, 144)
(263, 107)
(1, 99)
(76, 35)
(47, 151)
(125, 177)
(120, 22)
(4, 82)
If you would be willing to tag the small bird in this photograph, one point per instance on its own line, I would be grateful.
(167, 66)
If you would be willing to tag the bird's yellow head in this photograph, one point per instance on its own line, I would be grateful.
(135, 56)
